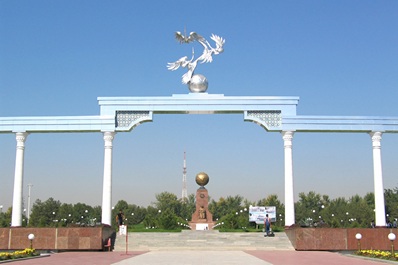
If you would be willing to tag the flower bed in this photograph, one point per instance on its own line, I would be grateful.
(27, 252)
(379, 254)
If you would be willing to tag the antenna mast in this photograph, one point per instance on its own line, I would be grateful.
(184, 195)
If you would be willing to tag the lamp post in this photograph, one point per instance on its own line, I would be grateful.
(158, 219)
(391, 237)
(358, 236)
(313, 218)
(86, 218)
(31, 237)
(29, 188)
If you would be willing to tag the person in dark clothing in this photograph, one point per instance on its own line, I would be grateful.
(120, 218)
(267, 224)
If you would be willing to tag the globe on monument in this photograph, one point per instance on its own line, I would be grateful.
(202, 179)
(198, 84)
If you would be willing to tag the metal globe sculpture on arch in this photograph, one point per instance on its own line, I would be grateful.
(202, 179)
(198, 84)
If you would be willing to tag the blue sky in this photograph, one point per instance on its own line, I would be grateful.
(57, 57)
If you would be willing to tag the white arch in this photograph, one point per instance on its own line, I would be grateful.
(122, 114)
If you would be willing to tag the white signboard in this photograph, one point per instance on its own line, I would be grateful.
(123, 230)
(257, 213)
(202, 226)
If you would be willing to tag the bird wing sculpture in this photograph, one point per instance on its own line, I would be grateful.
(219, 43)
(206, 57)
(187, 39)
(183, 61)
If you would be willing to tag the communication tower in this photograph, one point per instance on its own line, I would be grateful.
(184, 195)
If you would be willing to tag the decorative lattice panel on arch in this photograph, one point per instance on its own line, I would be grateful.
(125, 118)
(271, 118)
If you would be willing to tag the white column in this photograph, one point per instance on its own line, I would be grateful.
(107, 182)
(16, 218)
(378, 179)
(289, 195)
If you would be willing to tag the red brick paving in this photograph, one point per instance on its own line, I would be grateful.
(278, 257)
(81, 258)
(281, 257)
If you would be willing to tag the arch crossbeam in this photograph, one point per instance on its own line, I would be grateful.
(272, 113)
(340, 124)
(56, 124)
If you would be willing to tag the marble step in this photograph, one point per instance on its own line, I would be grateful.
(202, 240)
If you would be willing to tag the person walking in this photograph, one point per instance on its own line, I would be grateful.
(267, 224)
(120, 218)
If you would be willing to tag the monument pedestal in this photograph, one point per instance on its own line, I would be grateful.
(202, 219)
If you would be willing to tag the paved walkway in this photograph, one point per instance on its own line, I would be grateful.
(256, 257)
(201, 248)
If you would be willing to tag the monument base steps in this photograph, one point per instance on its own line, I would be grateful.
(202, 240)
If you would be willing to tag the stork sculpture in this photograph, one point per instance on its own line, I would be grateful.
(206, 57)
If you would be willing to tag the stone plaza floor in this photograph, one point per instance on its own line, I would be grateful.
(201, 248)
(190, 257)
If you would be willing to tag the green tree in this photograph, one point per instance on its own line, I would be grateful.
(150, 220)
(237, 220)
(5, 218)
(337, 212)
(65, 212)
(96, 214)
(223, 207)
(134, 214)
(82, 214)
(360, 214)
(247, 203)
(168, 200)
(167, 220)
(45, 213)
(230, 221)
(273, 200)
(188, 207)
(370, 199)
(311, 208)
(391, 198)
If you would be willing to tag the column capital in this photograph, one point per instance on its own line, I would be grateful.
(20, 137)
(108, 138)
(376, 135)
(376, 139)
(287, 135)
